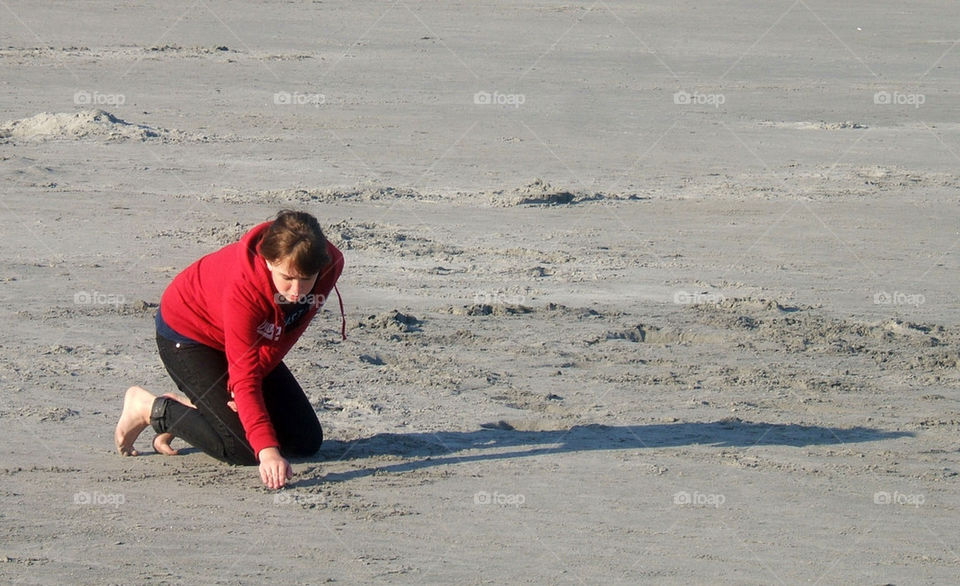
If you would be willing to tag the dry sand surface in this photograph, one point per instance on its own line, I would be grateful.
(635, 293)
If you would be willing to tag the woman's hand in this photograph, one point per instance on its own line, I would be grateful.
(274, 468)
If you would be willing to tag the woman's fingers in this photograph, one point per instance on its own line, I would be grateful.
(263, 475)
(275, 474)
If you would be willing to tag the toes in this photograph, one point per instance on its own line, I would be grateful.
(161, 445)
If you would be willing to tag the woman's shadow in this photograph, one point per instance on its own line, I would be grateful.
(493, 442)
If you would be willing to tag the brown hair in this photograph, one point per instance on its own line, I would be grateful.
(297, 236)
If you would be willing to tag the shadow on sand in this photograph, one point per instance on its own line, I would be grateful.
(493, 442)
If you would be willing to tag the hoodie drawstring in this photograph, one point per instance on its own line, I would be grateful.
(343, 316)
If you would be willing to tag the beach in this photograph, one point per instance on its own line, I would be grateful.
(634, 293)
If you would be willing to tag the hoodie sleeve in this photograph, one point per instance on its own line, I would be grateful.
(242, 342)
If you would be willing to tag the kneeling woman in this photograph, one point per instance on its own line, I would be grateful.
(223, 327)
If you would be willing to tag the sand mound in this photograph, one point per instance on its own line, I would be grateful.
(212, 234)
(392, 321)
(389, 239)
(499, 309)
(649, 334)
(536, 193)
(817, 125)
(324, 195)
(539, 192)
(86, 124)
(892, 343)
(500, 306)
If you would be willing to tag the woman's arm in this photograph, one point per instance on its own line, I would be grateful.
(242, 341)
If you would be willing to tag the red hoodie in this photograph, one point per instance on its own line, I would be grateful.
(227, 300)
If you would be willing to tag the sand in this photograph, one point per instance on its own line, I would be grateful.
(635, 293)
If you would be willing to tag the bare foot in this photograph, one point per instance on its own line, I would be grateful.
(161, 442)
(180, 399)
(135, 417)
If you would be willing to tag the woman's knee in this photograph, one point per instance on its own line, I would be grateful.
(305, 445)
(238, 453)
(239, 459)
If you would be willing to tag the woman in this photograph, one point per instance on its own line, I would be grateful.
(223, 327)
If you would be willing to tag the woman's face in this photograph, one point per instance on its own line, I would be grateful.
(290, 284)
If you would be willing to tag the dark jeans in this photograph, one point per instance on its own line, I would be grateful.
(200, 373)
